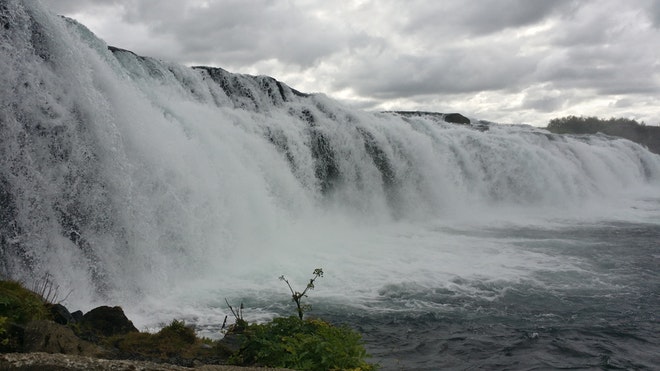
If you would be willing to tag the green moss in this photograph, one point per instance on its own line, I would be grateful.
(19, 304)
(302, 345)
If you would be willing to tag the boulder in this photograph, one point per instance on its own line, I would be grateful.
(456, 118)
(77, 316)
(60, 313)
(50, 337)
(107, 321)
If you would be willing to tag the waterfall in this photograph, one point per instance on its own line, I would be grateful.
(122, 175)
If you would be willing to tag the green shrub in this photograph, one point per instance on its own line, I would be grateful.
(178, 331)
(171, 340)
(175, 341)
(592, 125)
(19, 304)
(302, 345)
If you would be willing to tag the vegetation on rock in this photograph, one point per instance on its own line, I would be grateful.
(20, 305)
(302, 345)
(175, 343)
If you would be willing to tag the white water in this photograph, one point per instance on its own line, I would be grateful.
(142, 183)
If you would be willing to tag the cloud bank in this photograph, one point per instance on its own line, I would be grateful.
(511, 61)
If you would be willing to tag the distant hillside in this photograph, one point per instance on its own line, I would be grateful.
(648, 136)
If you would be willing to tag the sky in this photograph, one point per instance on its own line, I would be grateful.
(508, 61)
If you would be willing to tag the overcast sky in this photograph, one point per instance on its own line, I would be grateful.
(510, 61)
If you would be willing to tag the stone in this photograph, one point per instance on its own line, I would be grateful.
(60, 314)
(77, 316)
(50, 337)
(107, 321)
(456, 118)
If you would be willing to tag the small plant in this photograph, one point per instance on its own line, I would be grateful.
(240, 324)
(48, 289)
(297, 296)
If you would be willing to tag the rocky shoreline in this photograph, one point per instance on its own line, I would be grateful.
(94, 342)
(40, 361)
(37, 335)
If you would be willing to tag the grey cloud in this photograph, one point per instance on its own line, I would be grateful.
(418, 52)
(478, 17)
(493, 15)
(606, 80)
(71, 6)
(544, 104)
(544, 98)
(654, 13)
(606, 70)
(603, 48)
(154, 13)
(232, 32)
(244, 31)
(590, 23)
(624, 103)
(451, 71)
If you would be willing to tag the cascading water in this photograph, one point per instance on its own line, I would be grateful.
(165, 189)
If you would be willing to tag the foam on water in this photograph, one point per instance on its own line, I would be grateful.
(166, 189)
